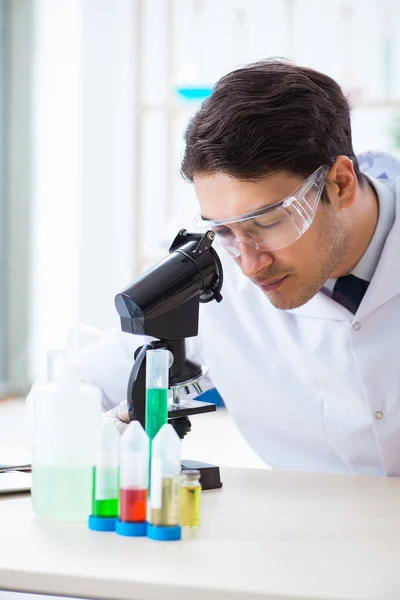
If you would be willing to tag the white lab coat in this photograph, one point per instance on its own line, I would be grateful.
(315, 388)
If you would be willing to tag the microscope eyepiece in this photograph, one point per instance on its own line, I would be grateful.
(164, 301)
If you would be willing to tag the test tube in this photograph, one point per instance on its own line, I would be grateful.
(105, 481)
(134, 475)
(157, 368)
(164, 506)
(190, 502)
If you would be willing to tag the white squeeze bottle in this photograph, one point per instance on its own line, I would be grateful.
(65, 422)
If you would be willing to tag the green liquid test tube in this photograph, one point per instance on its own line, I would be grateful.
(105, 483)
(156, 410)
(157, 380)
(104, 507)
(157, 368)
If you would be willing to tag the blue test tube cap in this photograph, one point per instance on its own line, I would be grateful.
(131, 529)
(163, 534)
(101, 523)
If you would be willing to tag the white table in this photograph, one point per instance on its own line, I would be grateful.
(265, 534)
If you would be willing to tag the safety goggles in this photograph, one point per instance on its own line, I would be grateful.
(272, 227)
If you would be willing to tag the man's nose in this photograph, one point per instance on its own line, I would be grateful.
(252, 260)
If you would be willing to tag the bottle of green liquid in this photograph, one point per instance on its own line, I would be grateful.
(66, 417)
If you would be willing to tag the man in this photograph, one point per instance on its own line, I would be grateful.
(304, 348)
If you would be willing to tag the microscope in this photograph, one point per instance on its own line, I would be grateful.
(164, 304)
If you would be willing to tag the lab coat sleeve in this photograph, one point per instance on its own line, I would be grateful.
(105, 363)
(108, 362)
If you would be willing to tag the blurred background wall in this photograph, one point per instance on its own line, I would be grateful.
(94, 98)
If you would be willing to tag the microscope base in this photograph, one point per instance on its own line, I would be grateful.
(210, 477)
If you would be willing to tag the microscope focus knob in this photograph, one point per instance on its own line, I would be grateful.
(181, 425)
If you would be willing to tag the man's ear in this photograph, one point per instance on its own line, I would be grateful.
(341, 183)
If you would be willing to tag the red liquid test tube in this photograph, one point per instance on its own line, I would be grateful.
(134, 476)
(133, 505)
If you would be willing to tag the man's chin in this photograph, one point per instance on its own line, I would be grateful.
(283, 302)
(280, 303)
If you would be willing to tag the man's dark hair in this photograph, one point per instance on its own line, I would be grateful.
(267, 117)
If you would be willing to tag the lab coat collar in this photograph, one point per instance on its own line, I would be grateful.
(322, 306)
(385, 283)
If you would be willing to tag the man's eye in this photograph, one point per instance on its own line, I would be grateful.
(223, 231)
(267, 225)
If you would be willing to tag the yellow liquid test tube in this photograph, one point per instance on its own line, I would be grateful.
(190, 499)
(164, 498)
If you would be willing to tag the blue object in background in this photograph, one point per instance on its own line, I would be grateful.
(211, 396)
(194, 93)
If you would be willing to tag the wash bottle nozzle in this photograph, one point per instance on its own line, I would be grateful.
(134, 475)
(105, 486)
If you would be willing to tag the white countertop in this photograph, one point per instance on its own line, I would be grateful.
(266, 534)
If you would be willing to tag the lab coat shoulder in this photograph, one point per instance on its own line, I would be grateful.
(107, 364)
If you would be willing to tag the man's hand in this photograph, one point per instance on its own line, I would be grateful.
(120, 416)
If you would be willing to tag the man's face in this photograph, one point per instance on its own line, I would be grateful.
(289, 276)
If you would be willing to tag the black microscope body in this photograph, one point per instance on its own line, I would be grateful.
(164, 304)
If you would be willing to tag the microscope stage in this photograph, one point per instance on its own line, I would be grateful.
(185, 408)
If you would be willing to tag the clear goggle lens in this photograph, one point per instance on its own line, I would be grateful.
(274, 226)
